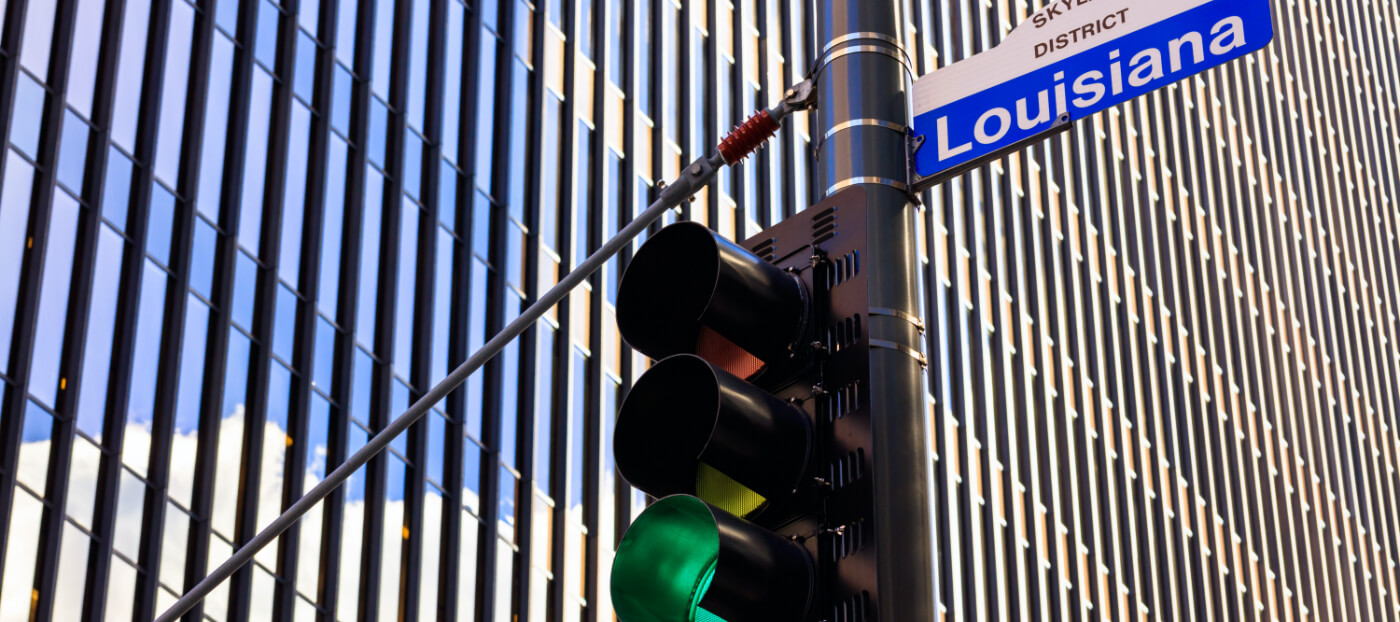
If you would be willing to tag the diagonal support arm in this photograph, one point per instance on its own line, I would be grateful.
(696, 176)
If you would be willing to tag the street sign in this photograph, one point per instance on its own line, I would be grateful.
(1072, 59)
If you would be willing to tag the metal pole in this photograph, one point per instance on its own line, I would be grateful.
(864, 88)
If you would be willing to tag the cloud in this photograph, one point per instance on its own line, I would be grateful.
(16, 595)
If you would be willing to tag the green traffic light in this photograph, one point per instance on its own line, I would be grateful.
(666, 562)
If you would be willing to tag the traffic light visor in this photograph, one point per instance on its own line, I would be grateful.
(684, 560)
(687, 277)
(666, 562)
(688, 427)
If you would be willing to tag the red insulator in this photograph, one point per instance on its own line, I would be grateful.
(747, 138)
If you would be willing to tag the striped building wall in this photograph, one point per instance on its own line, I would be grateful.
(1167, 380)
(237, 237)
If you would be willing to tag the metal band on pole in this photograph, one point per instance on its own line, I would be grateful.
(892, 52)
(899, 347)
(898, 128)
(856, 181)
(856, 36)
(908, 317)
(854, 124)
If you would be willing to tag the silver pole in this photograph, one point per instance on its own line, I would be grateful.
(864, 90)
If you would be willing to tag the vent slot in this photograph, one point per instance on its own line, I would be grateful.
(848, 470)
(843, 334)
(767, 249)
(853, 609)
(839, 402)
(845, 268)
(824, 226)
(846, 541)
(838, 271)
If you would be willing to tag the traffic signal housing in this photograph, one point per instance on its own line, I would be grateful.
(690, 291)
(715, 431)
(750, 430)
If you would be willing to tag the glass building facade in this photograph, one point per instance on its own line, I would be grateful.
(239, 236)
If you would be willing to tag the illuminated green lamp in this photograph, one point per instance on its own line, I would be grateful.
(684, 560)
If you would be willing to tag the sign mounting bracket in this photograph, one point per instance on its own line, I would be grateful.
(919, 183)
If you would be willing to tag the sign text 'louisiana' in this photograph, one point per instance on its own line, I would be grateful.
(1072, 59)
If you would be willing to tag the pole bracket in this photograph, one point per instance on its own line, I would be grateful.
(800, 96)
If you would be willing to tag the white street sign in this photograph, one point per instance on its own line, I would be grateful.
(1072, 59)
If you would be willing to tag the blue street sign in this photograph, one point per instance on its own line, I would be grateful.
(1072, 59)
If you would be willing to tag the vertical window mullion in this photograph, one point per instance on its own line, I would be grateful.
(499, 296)
(708, 122)
(563, 343)
(441, 195)
(232, 221)
(119, 380)
(531, 409)
(167, 373)
(32, 290)
(590, 416)
(301, 409)
(685, 97)
(461, 331)
(385, 409)
(632, 201)
(11, 410)
(318, 168)
(354, 200)
(11, 36)
(269, 297)
(739, 86)
(421, 368)
(784, 179)
(215, 354)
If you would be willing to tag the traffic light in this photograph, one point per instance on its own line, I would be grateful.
(684, 559)
(735, 428)
(726, 440)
